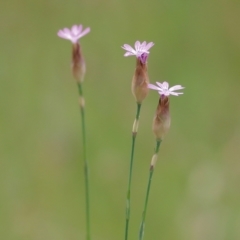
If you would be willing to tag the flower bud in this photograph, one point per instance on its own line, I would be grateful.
(78, 63)
(140, 79)
(162, 119)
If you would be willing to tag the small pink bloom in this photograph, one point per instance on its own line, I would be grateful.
(163, 88)
(140, 50)
(73, 34)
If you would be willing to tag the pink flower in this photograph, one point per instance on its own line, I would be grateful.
(73, 34)
(163, 89)
(140, 51)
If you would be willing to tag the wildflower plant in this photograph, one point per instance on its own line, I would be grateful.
(161, 125)
(140, 88)
(140, 83)
(78, 70)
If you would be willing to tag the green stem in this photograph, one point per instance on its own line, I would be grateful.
(86, 176)
(134, 134)
(151, 170)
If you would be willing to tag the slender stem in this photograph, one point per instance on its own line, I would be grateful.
(134, 134)
(151, 170)
(86, 176)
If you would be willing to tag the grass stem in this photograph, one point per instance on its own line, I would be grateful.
(128, 200)
(86, 174)
(151, 170)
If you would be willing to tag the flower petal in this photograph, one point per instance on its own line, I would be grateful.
(151, 86)
(137, 45)
(61, 34)
(142, 46)
(74, 30)
(128, 48)
(164, 93)
(165, 85)
(80, 27)
(159, 84)
(64, 34)
(84, 32)
(67, 31)
(148, 46)
(176, 87)
(175, 94)
(128, 54)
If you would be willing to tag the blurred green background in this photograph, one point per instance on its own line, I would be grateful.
(195, 191)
